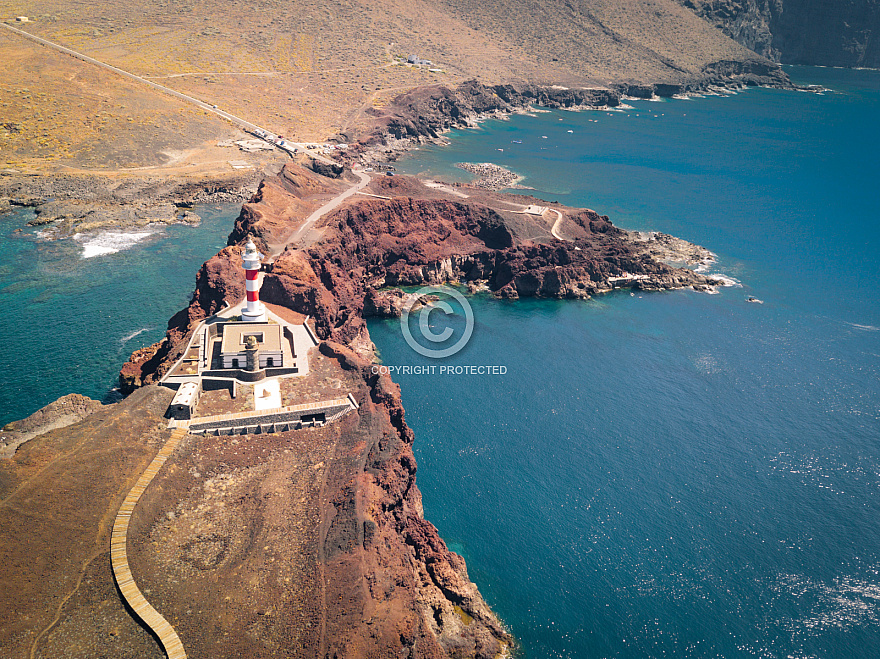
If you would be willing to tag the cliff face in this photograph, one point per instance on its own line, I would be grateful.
(315, 541)
(308, 543)
(413, 236)
(823, 32)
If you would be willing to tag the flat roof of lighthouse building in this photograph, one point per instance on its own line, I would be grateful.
(268, 336)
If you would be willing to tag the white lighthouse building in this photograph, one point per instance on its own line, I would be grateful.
(254, 311)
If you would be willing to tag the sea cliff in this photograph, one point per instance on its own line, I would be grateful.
(416, 595)
(311, 541)
(816, 32)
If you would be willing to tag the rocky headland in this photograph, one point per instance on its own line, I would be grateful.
(419, 234)
(307, 541)
(314, 543)
(416, 596)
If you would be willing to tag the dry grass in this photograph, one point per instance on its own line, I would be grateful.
(309, 69)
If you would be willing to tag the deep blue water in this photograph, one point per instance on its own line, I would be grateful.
(672, 474)
(677, 474)
(68, 323)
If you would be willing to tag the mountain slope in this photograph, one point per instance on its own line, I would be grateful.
(823, 32)
(307, 69)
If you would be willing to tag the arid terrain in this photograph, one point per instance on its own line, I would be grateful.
(305, 70)
(305, 543)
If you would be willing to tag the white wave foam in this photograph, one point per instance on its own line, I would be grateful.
(865, 328)
(128, 338)
(725, 280)
(109, 242)
(707, 262)
(47, 234)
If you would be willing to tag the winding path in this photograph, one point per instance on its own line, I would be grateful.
(119, 556)
(333, 204)
(553, 229)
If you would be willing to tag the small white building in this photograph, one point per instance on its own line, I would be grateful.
(22, 19)
(185, 400)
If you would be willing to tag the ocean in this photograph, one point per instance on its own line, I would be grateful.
(676, 474)
(656, 475)
(73, 310)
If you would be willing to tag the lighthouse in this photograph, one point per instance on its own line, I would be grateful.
(254, 311)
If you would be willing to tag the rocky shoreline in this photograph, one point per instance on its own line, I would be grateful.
(424, 114)
(70, 204)
(408, 234)
(388, 582)
(63, 219)
(83, 203)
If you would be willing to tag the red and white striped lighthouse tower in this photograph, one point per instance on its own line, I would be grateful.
(254, 311)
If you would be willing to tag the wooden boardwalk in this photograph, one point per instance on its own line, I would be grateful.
(119, 557)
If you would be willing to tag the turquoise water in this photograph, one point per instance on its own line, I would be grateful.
(677, 474)
(656, 475)
(69, 322)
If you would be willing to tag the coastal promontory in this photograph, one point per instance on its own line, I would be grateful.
(305, 538)
(307, 541)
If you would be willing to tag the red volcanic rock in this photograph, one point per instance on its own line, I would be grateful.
(219, 282)
(387, 543)
(281, 204)
(138, 366)
(389, 583)
(375, 243)
(384, 304)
